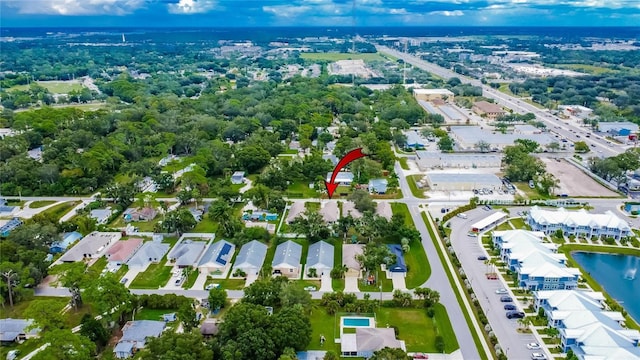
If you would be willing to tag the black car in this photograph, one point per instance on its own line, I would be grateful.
(506, 299)
(515, 314)
(510, 307)
(482, 257)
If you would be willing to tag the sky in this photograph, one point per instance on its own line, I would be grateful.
(243, 13)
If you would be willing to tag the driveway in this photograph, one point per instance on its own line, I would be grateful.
(325, 283)
(398, 281)
(200, 281)
(251, 278)
(351, 284)
(130, 275)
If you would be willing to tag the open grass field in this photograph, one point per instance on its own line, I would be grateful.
(333, 56)
(206, 225)
(55, 87)
(519, 223)
(153, 314)
(589, 69)
(56, 212)
(227, 284)
(412, 181)
(16, 311)
(39, 204)
(300, 189)
(154, 277)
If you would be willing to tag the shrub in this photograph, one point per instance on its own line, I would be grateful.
(439, 343)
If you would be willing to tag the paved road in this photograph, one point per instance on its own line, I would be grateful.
(468, 249)
(553, 123)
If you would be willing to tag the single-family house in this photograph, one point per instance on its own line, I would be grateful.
(383, 209)
(140, 214)
(259, 216)
(578, 223)
(286, 260)
(349, 254)
(6, 226)
(329, 211)
(349, 208)
(342, 178)
(320, 257)
(399, 265)
(65, 242)
(151, 252)
(170, 317)
(334, 159)
(366, 341)
(237, 178)
(91, 246)
(6, 210)
(209, 328)
(196, 213)
(378, 186)
(251, 257)
(120, 252)
(217, 258)
(101, 216)
(15, 330)
(135, 335)
(296, 209)
(186, 253)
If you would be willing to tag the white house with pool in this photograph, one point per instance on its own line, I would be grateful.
(362, 338)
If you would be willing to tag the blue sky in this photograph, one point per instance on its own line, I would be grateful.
(197, 13)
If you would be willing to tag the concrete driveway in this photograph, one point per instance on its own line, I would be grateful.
(251, 278)
(325, 283)
(351, 284)
(200, 281)
(130, 275)
(398, 281)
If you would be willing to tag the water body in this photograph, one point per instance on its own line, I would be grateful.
(617, 274)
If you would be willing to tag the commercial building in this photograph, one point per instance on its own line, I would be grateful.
(587, 327)
(427, 160)
(433, 94)
(618, 128)
(538, 264)
(489, 222)
(487, 109)
(579, 223)
(467, 138)
(462, 181)
(414, 140)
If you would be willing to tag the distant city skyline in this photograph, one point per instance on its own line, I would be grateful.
(249, 13)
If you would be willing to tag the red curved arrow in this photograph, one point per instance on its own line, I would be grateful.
(349, 157)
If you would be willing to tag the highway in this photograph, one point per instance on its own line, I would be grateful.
(556, 125)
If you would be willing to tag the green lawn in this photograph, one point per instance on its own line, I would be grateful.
(334, 56)
(387, 284)
(519, 223)
(61, 87)
(143, 226)
(323, 324)
(206, 226)
(228, 284)
(154, 277)
(124, 268)
(304, 283)
(99, 265)
(73, 317)
(153, 314)
(311, 205)
(24, 348)
(529, 192)
(300, 189)
(403, 163)
(412, 179)
(337, 284)
(56, 212)
(504, 226)
(192, 276)
(266, 266)
(416, 258)
(590, 69)
(16, 311)
(417, 329)
(41, 203)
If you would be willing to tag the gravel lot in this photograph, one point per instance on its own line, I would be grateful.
(574, 182)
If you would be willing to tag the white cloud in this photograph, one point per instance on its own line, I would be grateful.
(287, 11)
(75, 7)
(398, 11)
(447, 13)
(192, 6)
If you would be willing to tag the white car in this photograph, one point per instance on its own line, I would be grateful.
(462, 216)
(501, 291)
(533, 346)
(538, 356)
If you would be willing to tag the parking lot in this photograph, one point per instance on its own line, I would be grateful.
(573, 181)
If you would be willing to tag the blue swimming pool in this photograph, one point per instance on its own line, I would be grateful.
(356, 322)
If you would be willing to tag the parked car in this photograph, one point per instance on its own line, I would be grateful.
(124, 281)
(538, 356)
(462, 216)
(420, 356)
(211, 286)
(482, 257)
(471, 234)
(533, 346)
(487, 207)
(510, 307)
(502, 291)
(506, 299)
(514, 314)
(492, 276)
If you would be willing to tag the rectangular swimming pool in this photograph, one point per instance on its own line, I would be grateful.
(356, 322)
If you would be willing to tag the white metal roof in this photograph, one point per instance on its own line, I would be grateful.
(578, 218)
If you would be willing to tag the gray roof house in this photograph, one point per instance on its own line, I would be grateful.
(251, 257)
(378, 186)
(186, 253)
(334, 159)
(91, 246)
(101, 215)
(287, 259)
(149, 252)
(330, 212)
(217, 258)
(237, 178)
(320, 257)
(366, 341)
(342, 177)
(135, 335)
(296, 209)
(12, 330)
(349, 208)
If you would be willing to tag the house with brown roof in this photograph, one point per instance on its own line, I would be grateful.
(140, 214)
(120, 252)
(487, 109)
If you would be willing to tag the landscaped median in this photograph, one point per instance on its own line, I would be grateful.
(480, 338)
(568, 249)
